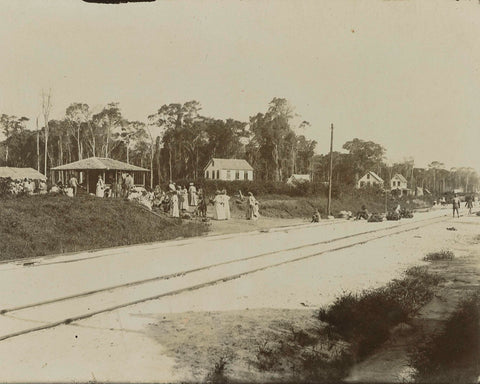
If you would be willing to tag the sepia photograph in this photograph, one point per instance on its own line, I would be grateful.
(240, 191)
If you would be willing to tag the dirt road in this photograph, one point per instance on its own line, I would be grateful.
(93, 316)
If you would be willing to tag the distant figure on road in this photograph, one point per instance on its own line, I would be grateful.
(456, 205)
(362, 214)
(469, 204)
(316, 217)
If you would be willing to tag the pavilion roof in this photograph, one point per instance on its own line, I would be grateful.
(99, 163)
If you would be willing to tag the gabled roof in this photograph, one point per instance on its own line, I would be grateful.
(375, 176)
(230, 164)
(299, 177)
(98, 163)
(21, 173)
(399, 177)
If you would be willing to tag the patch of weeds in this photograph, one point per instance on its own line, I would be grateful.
(453, 355)
(365, 320)
(303, 356)
(440, 255)
(217, 374)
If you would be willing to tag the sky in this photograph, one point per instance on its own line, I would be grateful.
(404, 74)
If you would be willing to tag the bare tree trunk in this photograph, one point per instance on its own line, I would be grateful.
(46, 107)
(38, 146)
(170, 162)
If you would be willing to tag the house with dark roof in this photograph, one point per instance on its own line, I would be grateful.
(369, 180)
(228, 169)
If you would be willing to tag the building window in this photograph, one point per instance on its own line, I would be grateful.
(362, 183)
(368, 176)
(213, 174)
(206, 175)
(228, 175)
(245, 175)
(237, 175)
(218, 174)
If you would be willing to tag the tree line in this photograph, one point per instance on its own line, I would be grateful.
(362, 156)
(177, 140)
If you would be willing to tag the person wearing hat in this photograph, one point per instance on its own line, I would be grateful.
(174, 208)
(252, 207)
(192, 195)
(219, 207)
(100, 191)
(226, 204)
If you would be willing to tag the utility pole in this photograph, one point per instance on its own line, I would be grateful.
(330, 173)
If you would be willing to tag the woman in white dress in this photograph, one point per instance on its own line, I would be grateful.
(226, 204)
(219, 207)
(174, 209)
(100, 192)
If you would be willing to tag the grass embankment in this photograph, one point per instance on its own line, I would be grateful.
(283, 206)
(453, 355)
(40, 225)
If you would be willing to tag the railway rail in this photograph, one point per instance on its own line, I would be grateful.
(67, 309)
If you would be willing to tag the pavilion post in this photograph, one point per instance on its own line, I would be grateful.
(88, 183)
(143, 179)
(116, 184)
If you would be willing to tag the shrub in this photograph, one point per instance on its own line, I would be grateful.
(440, 255)
(453, 355)
(365, 320)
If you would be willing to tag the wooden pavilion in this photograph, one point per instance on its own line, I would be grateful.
(89, 170)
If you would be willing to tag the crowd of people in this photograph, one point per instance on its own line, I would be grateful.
(174, 200)
(26, 187)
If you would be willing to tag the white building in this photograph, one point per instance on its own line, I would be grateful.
(370, 179)
(228, 169)
(399, 183)
(298, 179)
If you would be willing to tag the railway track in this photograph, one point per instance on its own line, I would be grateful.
(20, 320)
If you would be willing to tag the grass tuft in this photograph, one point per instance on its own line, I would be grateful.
(439, 255)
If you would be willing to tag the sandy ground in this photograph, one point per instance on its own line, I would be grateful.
(179, 338)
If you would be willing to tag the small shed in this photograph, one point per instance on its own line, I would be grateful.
(298, 179)
(110, 170)
(21, 173)
(228, 169)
